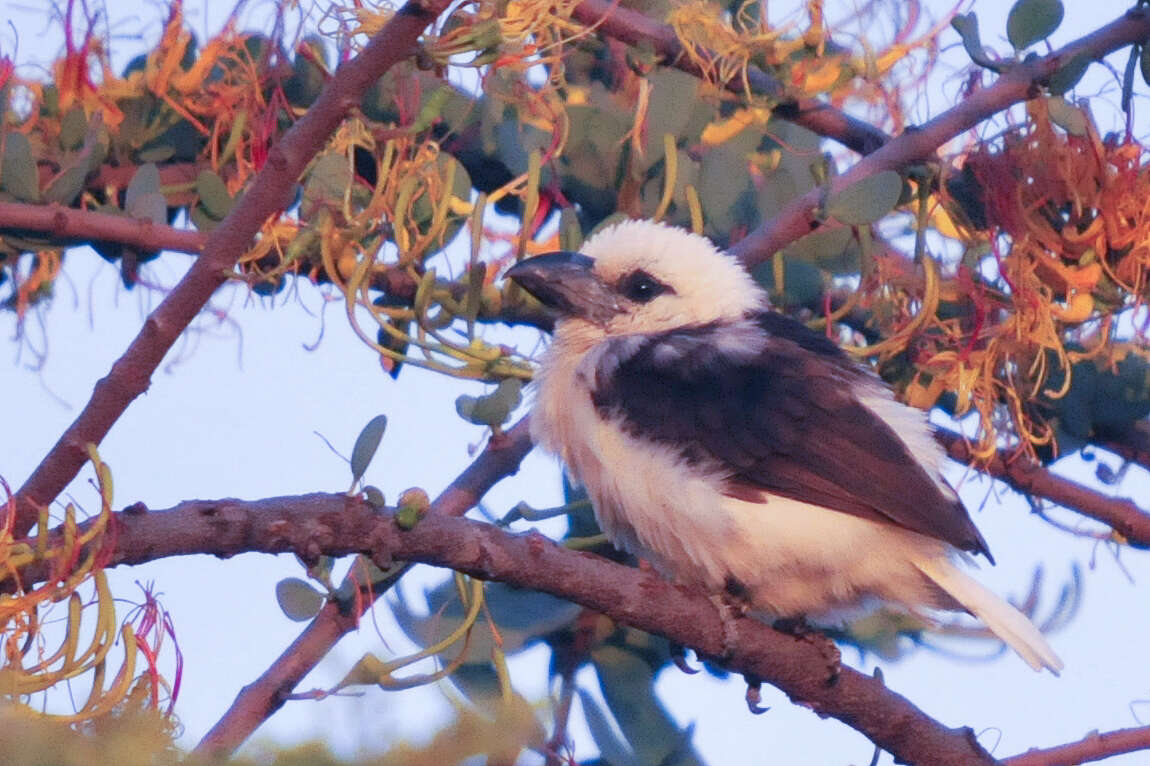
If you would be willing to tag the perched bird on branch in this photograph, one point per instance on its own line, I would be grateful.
(739, 451)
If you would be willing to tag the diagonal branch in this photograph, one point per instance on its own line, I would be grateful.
(635, 28)
(1021, 82)
(1092, 747)
(270, 192)
(257, 701)
(336, 524)
(1124, 516)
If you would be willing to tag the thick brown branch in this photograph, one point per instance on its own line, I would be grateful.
(1092, 747)
(1124, 516)
(270, 191)
(635, 28)
(337, 525)
(257, 701)
(76, 226)
(1021, 82)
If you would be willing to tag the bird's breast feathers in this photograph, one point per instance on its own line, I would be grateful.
(654, 500)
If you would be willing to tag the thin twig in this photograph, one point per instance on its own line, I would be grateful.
(1021, 82)
(1124, 516)
(1092, 747)
(257, 701)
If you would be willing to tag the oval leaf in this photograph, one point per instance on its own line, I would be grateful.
(966, 24)
(298, 600)
(492, 409)
(1068, 75)
(365, 446)
(213, 195)
(1032, 20)
(868, 200)
(1144, 63)
(73, 127)
(150, 206)
(18, 169)
(68, 184)
(146, 180)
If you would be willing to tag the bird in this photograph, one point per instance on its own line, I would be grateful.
(740, 452)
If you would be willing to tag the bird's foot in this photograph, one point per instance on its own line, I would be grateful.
(804, 631)
(731, 609)
(754, 695)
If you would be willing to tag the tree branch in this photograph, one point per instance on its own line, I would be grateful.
(635, 28)
(270, 192)
(336, 524)
(257, 701)
(1019, 83)
(69, 223)
(1092, 747)
(1124, 516)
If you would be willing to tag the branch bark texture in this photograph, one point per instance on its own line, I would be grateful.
(336, 524)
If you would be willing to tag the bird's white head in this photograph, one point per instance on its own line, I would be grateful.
(640, 277)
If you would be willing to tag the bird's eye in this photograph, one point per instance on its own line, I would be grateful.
(641, 287)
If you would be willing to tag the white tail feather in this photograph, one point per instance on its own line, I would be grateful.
(1001, 618)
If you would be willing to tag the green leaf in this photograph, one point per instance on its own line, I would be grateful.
(725, 189)
(867, 200)
(298, 600)
(431, 109)
(613, 750)
(18, 175)
(365, 446)
(157, 153)
(1032, 20)
(672, 105)
(146, 180)
(368, 671)
(68, 183)
(200, 218)
(966, 24)
(326, 182)
(833, 249)
(213, 194)
(73, 127)
(374, 497)
(150, 206)
(1067, 116)
(492, 409)
(1069, 74)
(1144, 63)
(626, 680)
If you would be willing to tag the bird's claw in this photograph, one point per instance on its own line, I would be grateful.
(679, 657)
(754, 696)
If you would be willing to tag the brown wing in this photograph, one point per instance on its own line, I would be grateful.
(779, 412)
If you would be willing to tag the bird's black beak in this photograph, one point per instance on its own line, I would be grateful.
(566, 282)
